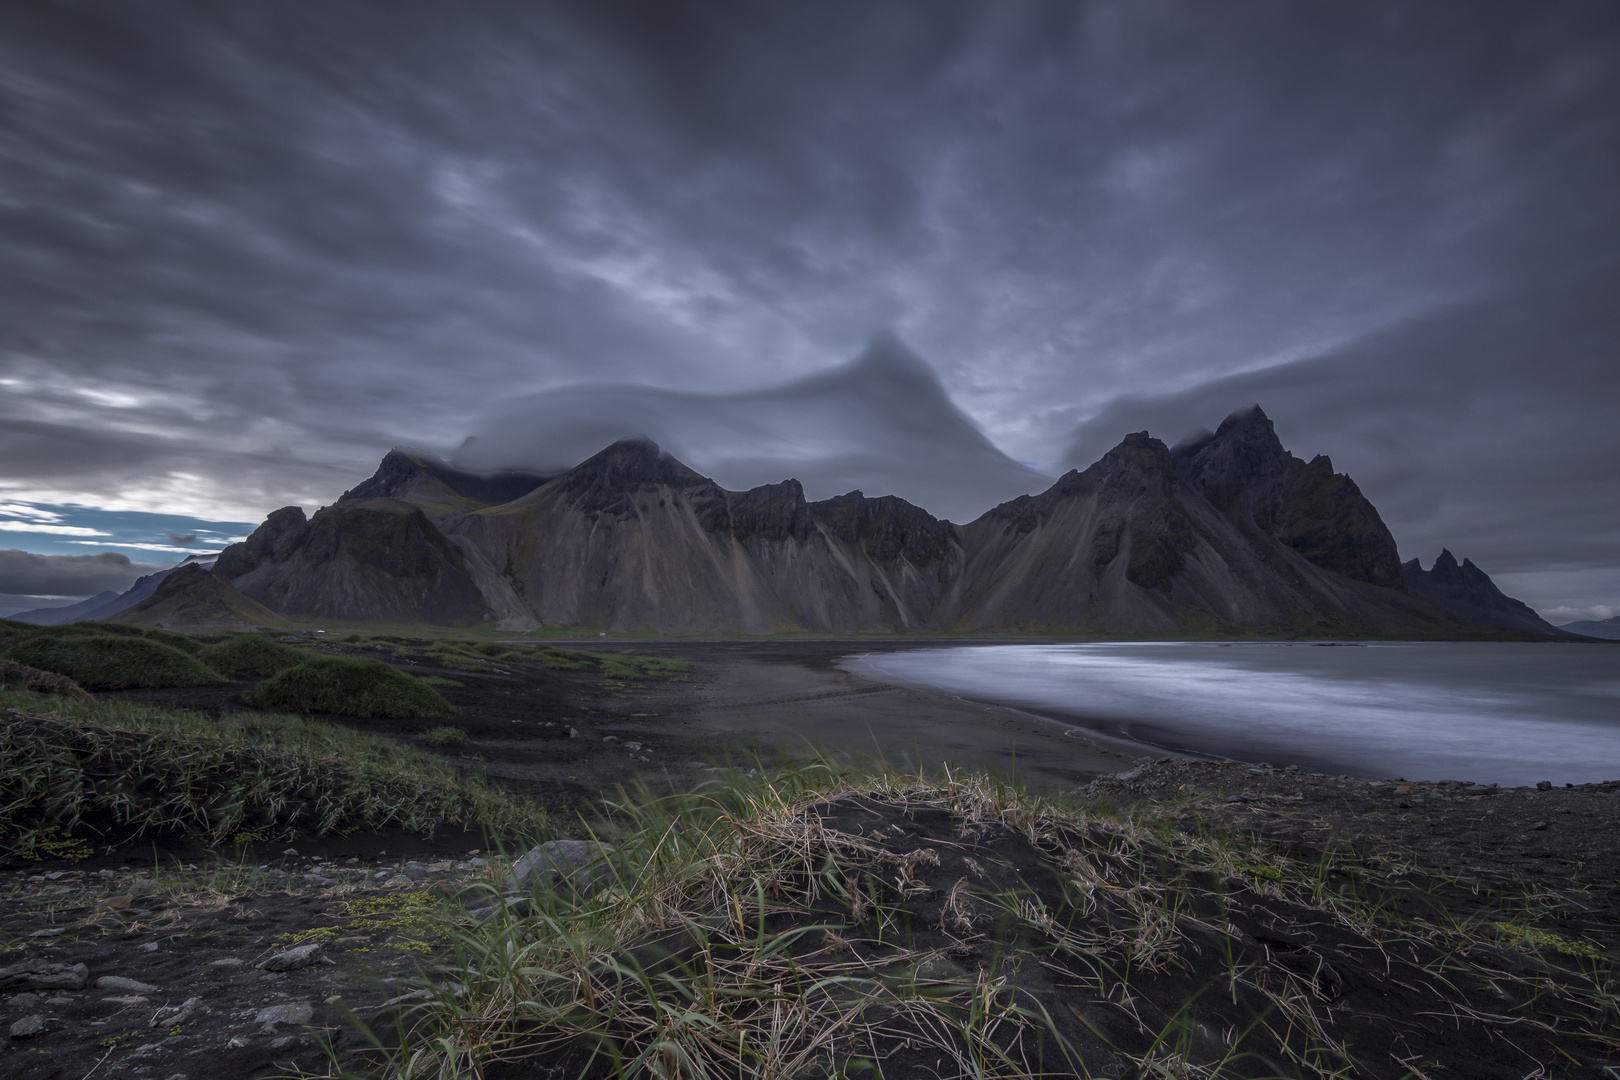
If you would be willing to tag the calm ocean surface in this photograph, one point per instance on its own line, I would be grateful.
(1505, 713)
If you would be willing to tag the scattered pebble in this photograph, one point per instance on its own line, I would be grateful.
(301, 956)
(296, 1012)
(178, 1014)
(118, 983)
(28, 1027)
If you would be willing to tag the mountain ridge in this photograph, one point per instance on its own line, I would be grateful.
(1228, 532)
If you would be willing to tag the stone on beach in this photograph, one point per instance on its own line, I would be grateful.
(302, 956)
(580, 863)
(296, 1012)
(43, 975)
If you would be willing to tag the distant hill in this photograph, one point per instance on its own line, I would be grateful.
(107, 604)
(1600, 628)
(1468, 592)
(67, 613)
(192, 599)
(1230, 533)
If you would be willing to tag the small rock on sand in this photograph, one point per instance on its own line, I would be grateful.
(43, 975)
(581, 863)
(296, 1012)
(119, 985)
(28, 1027)
(302, 956)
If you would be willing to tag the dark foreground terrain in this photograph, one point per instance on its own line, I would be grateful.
(1438, 930)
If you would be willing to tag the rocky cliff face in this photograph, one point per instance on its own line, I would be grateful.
(1469, 594)
(192, 599)
(1227, 532)
(367, 560)
(1244, 472)
(1232, 531)
(634, 540)
(438, 488)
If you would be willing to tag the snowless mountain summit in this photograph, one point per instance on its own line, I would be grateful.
(1227, 533)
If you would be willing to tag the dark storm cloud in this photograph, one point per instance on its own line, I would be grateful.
(881, 424)
(248, 247)
(1487, 428)
(28, 574)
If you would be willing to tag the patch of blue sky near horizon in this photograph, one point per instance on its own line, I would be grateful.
(67, 529)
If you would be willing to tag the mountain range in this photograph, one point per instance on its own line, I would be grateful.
(1228, 533)
(107, 604)
(1598, 628)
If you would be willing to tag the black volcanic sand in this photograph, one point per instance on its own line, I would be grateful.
(1465, 847)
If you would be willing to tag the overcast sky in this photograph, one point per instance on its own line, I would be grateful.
(245, 249)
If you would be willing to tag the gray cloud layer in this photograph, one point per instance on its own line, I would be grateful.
(1486, 427)
(881, 424)
(25, 573)
(244, 248)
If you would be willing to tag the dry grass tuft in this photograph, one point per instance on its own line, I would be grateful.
(823, 924)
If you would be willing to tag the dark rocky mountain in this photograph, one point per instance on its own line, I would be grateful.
(1468, 593)
(106, 605)
(1227, 532)
(633, 539)
(1244, 472)
(439, 488)
(1598, 628)
(370, 560)
(190, 598)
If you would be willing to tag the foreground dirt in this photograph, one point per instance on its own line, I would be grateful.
(195, 944)
(380, 907)
(174, 973)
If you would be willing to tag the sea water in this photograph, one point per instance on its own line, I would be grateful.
(1490, 712)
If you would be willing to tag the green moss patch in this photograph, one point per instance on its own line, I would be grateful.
(250, 656)
(444, 735)
(130, 767)
(109, 662)
(351, 686)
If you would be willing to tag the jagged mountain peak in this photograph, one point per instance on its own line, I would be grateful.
(424, 478)
(1468, 592)
(1244, 449)
(631, 462)
(1230, 530)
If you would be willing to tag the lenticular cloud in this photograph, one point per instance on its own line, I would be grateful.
(882, 424)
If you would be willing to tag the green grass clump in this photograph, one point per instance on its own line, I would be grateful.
(444, 735)
(250, 656)
(352, 686)
(563, 659)
(638, 665)
(460, 662)
(216, 777)
(108, 662)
